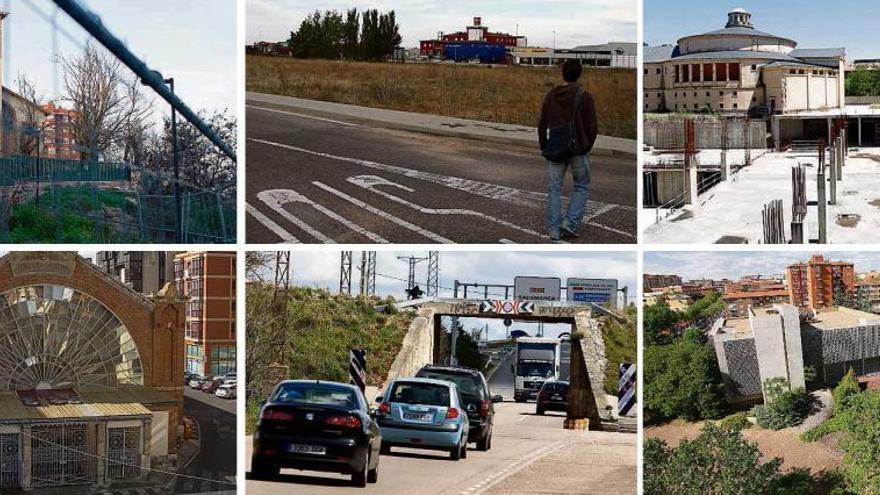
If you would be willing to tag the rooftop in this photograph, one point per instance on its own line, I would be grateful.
(836, 318)
(124, 401)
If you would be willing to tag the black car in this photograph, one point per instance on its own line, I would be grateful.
(475, 397)
(553, 396)
(317, 426)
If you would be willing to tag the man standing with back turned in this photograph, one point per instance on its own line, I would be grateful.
(569, 114)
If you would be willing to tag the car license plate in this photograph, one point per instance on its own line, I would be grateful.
(556, 397)
(417, 416)
(307, 449)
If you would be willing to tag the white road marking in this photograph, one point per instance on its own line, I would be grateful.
(523, 418)
(324, 119)
(484, 189)
(387, 216)
(505, 241)
(513, 468)
(276, 202)
(271, 225)
(369, 182)
(285, 196)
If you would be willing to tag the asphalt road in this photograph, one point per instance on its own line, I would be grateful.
(217, 453)
(530, 454)
(317, 180)
(502, 382)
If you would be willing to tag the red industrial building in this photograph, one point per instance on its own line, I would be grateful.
(58, 139)
(476, 33)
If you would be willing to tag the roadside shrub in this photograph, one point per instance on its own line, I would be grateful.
(735, 421)
(847, 388)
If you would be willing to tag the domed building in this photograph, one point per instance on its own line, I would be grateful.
(741, 70)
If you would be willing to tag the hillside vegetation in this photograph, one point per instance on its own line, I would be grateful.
(320, 330)
(502, 94)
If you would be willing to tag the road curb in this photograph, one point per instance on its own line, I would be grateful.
(451, 131)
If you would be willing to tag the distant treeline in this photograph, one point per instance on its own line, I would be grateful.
(863, 82)
(365, 36)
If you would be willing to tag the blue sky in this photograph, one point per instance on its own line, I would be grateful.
(576, 22)
(734, 264)
(192, 40)
(813, 24)
(321, 269)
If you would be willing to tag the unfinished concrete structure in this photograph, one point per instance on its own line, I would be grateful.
(423, 345)
(775, 343)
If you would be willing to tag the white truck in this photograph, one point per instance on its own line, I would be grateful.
(536, 361)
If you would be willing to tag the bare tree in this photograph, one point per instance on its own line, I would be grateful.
(108, 105)
(32, 118)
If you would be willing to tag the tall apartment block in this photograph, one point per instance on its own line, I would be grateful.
(812, 285)
(142, 271)
(207, 280)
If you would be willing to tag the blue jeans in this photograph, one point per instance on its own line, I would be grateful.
(580, 172)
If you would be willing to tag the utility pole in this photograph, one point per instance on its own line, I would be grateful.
(178, 209)
(368, 273)
(433, 284)
(413, 261)
(345, 273)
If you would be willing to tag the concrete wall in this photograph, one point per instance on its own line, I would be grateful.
(418, 346)
(770, 347)
(727, 42)
(794, 352)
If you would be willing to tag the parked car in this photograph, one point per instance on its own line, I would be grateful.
(210, 386)
(226, 391)
(553, 396)
(317, 426)
(230, 377)
(476, 398)
(423, 413)
(196, 381)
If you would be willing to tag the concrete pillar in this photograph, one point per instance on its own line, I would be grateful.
(832, 178)
(101, 453)
(587, 394)
(146, 441)
(859, 121)
(26, 457)
(841, 156)
(829, 141)
(725, 168)
(692, 184)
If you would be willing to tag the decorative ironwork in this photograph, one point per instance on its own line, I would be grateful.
(123, 453)
(10, 460)
(62, 454)
(58, 337)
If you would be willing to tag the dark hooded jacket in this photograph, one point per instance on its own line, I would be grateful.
(556, 111)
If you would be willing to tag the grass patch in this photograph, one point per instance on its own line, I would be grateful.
(63, 215)
(502, 94)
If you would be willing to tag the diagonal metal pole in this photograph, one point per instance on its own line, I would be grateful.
(92, 23)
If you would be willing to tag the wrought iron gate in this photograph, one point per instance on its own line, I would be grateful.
(62, 454)
(123, 453)
(10, 460)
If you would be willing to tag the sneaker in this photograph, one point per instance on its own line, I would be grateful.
(567, 232)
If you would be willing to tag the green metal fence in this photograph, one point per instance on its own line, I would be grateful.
(30, 168)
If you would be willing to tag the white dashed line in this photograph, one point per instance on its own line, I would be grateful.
(303, 115)
(514, 467)
(276, 203)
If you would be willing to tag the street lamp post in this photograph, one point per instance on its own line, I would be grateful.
(177, 205)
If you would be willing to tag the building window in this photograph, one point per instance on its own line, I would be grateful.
(645, 73)
(736, 105)
(735, 94)
(721, 70)
(696, 106)
(659, 95)
(733, 72)
(695, 94)
(685, 73)
(658, 71)
(721, 94)
(754, 68)
(801, 72)
(707, 93)
(695, 73)
(708, 72)
(721, 105)
(792, 71)
(222, 359)
(677, 72)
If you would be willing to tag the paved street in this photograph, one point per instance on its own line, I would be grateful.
(319, 180)
(530, 454)
(216, 457)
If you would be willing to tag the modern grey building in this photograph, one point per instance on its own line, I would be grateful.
(145, 272)
(778, 342)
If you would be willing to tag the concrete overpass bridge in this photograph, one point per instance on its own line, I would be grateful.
(587, 399)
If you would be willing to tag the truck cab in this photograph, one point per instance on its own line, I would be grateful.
(537, 361)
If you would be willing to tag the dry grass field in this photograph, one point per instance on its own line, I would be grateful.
(505, 94)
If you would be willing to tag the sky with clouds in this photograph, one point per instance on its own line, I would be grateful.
(734, 264)
(193, 41)
(321, 269)
(576, 22)
(812, 23)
